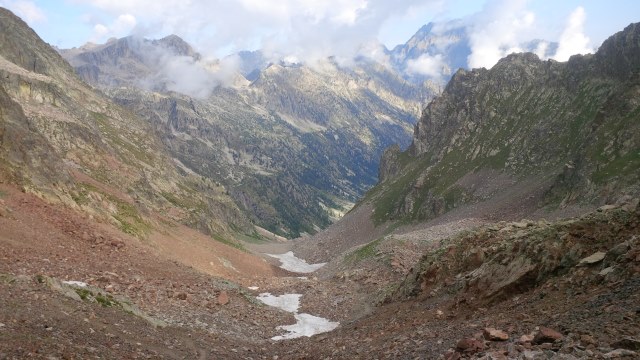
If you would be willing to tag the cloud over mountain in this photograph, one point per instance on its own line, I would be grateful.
(307, 30)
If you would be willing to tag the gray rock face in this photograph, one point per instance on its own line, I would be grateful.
(390, 163)
(294, 147)
(574, 124)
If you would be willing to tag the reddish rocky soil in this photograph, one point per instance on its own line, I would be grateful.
(181, 282)
(523, 290)
(191, 300)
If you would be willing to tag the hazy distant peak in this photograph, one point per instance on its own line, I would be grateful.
(178, 46)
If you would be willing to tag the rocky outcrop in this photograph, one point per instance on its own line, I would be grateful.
(389, 163)
(571, 127)
(517, 257)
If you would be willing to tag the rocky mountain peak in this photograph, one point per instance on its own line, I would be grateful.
(619, 55)
(178, 46)
(422, 34)
(574, 121)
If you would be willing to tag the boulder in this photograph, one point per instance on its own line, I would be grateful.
(593, 258)
(621, 354)
(628, 343)
(495, 334)
(470, 345)
(546, 335)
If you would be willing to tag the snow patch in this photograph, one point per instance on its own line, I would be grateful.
(306, 325)
(290, 262)
(287, 302)
(76, 283)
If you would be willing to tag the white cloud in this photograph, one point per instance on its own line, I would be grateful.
(573, 40)
(375, 51)
(308, 30)
(184, 74)
(121, 26)
(498, 31)
(432, 66)
(541, 49)
(503, 26)
(27, 10)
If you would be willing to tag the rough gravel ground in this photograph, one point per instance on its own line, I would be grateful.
(210, 314)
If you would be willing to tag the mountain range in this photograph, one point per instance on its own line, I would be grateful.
(315, 131)
(295, 147)
(142, 187)
(525, 139)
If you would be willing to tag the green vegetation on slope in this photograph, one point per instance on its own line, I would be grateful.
(523, 119)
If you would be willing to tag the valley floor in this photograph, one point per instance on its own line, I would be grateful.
(148, 300)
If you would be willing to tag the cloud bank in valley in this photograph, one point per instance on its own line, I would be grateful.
(432, 66)
(176, 71)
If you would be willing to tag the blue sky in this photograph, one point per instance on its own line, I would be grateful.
(311, 27)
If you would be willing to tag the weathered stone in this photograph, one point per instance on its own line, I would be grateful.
(606, 208)
(606, 271)
(526, 339)
(621, 353)
(223, 298)
(470, 345)
(628, 343)
(521, 224)
(593, 258)
(495, 334)
(452, 355)
(546, 335)
(587, 340)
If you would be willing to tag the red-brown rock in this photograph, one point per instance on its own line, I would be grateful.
(470, 345)
(223, 298)
(546, 335)
(452, 355)
(495, 334)
(526, 339)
